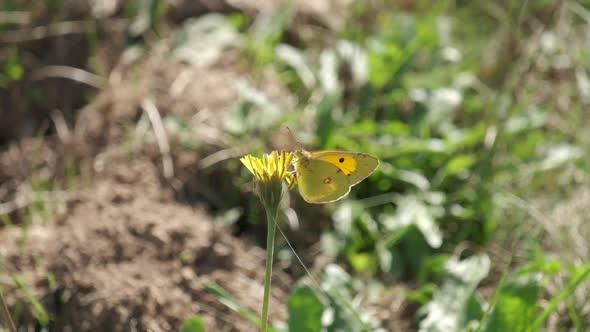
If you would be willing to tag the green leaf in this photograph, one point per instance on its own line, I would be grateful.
(414, 249)
(541, 263)
(305, 310)
(229, 301)
(432, 268)
(143, 18)
(12, 68)
(362, 261)
(517, 305)
(194, 324)
(239, 21)
(267, 31)
(453, 306)
(384, 63)
(412, 209)
(422, 295)
(459, 163)
(40, 312)
(14, 71)
(201, 41)
(337, 285)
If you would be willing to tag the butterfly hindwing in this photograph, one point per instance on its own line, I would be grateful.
(321, 182)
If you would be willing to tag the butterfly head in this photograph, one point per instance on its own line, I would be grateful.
(301, 156)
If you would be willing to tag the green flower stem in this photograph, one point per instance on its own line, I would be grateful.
(271, 216)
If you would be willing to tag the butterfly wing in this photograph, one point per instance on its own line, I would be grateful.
(320, 181)
(355, 165)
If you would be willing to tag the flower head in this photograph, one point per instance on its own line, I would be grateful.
(270, 171)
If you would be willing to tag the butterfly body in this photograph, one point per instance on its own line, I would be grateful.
(327, 176)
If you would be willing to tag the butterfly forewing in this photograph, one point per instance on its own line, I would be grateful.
(355, 165)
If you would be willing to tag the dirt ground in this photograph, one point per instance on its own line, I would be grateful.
(118, 250)
(125, 256)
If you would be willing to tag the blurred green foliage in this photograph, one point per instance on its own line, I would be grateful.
(13, 70)
(194, 324)
(435, 96)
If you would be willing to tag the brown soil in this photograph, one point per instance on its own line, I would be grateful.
(127, 257)
(123, 253)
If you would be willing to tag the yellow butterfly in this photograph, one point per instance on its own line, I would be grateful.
(327, 176)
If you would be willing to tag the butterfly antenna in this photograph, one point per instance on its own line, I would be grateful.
(295, 139)
(336, 294)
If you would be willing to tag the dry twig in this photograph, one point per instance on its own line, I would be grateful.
(57, 29)
(61, 127)
(74, 74)
(167, 165)
(220, 156)
(26, 197)
(5, 314)
(15, 17)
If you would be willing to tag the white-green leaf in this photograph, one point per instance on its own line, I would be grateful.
(414, 210)
(202, 41)
(452, 307)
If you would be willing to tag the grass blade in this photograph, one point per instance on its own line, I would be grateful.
(581, 275)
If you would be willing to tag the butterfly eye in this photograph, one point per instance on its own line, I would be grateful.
(341, 160)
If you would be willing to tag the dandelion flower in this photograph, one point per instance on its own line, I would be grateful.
(270, 171)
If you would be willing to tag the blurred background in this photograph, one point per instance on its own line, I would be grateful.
(124, 207)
